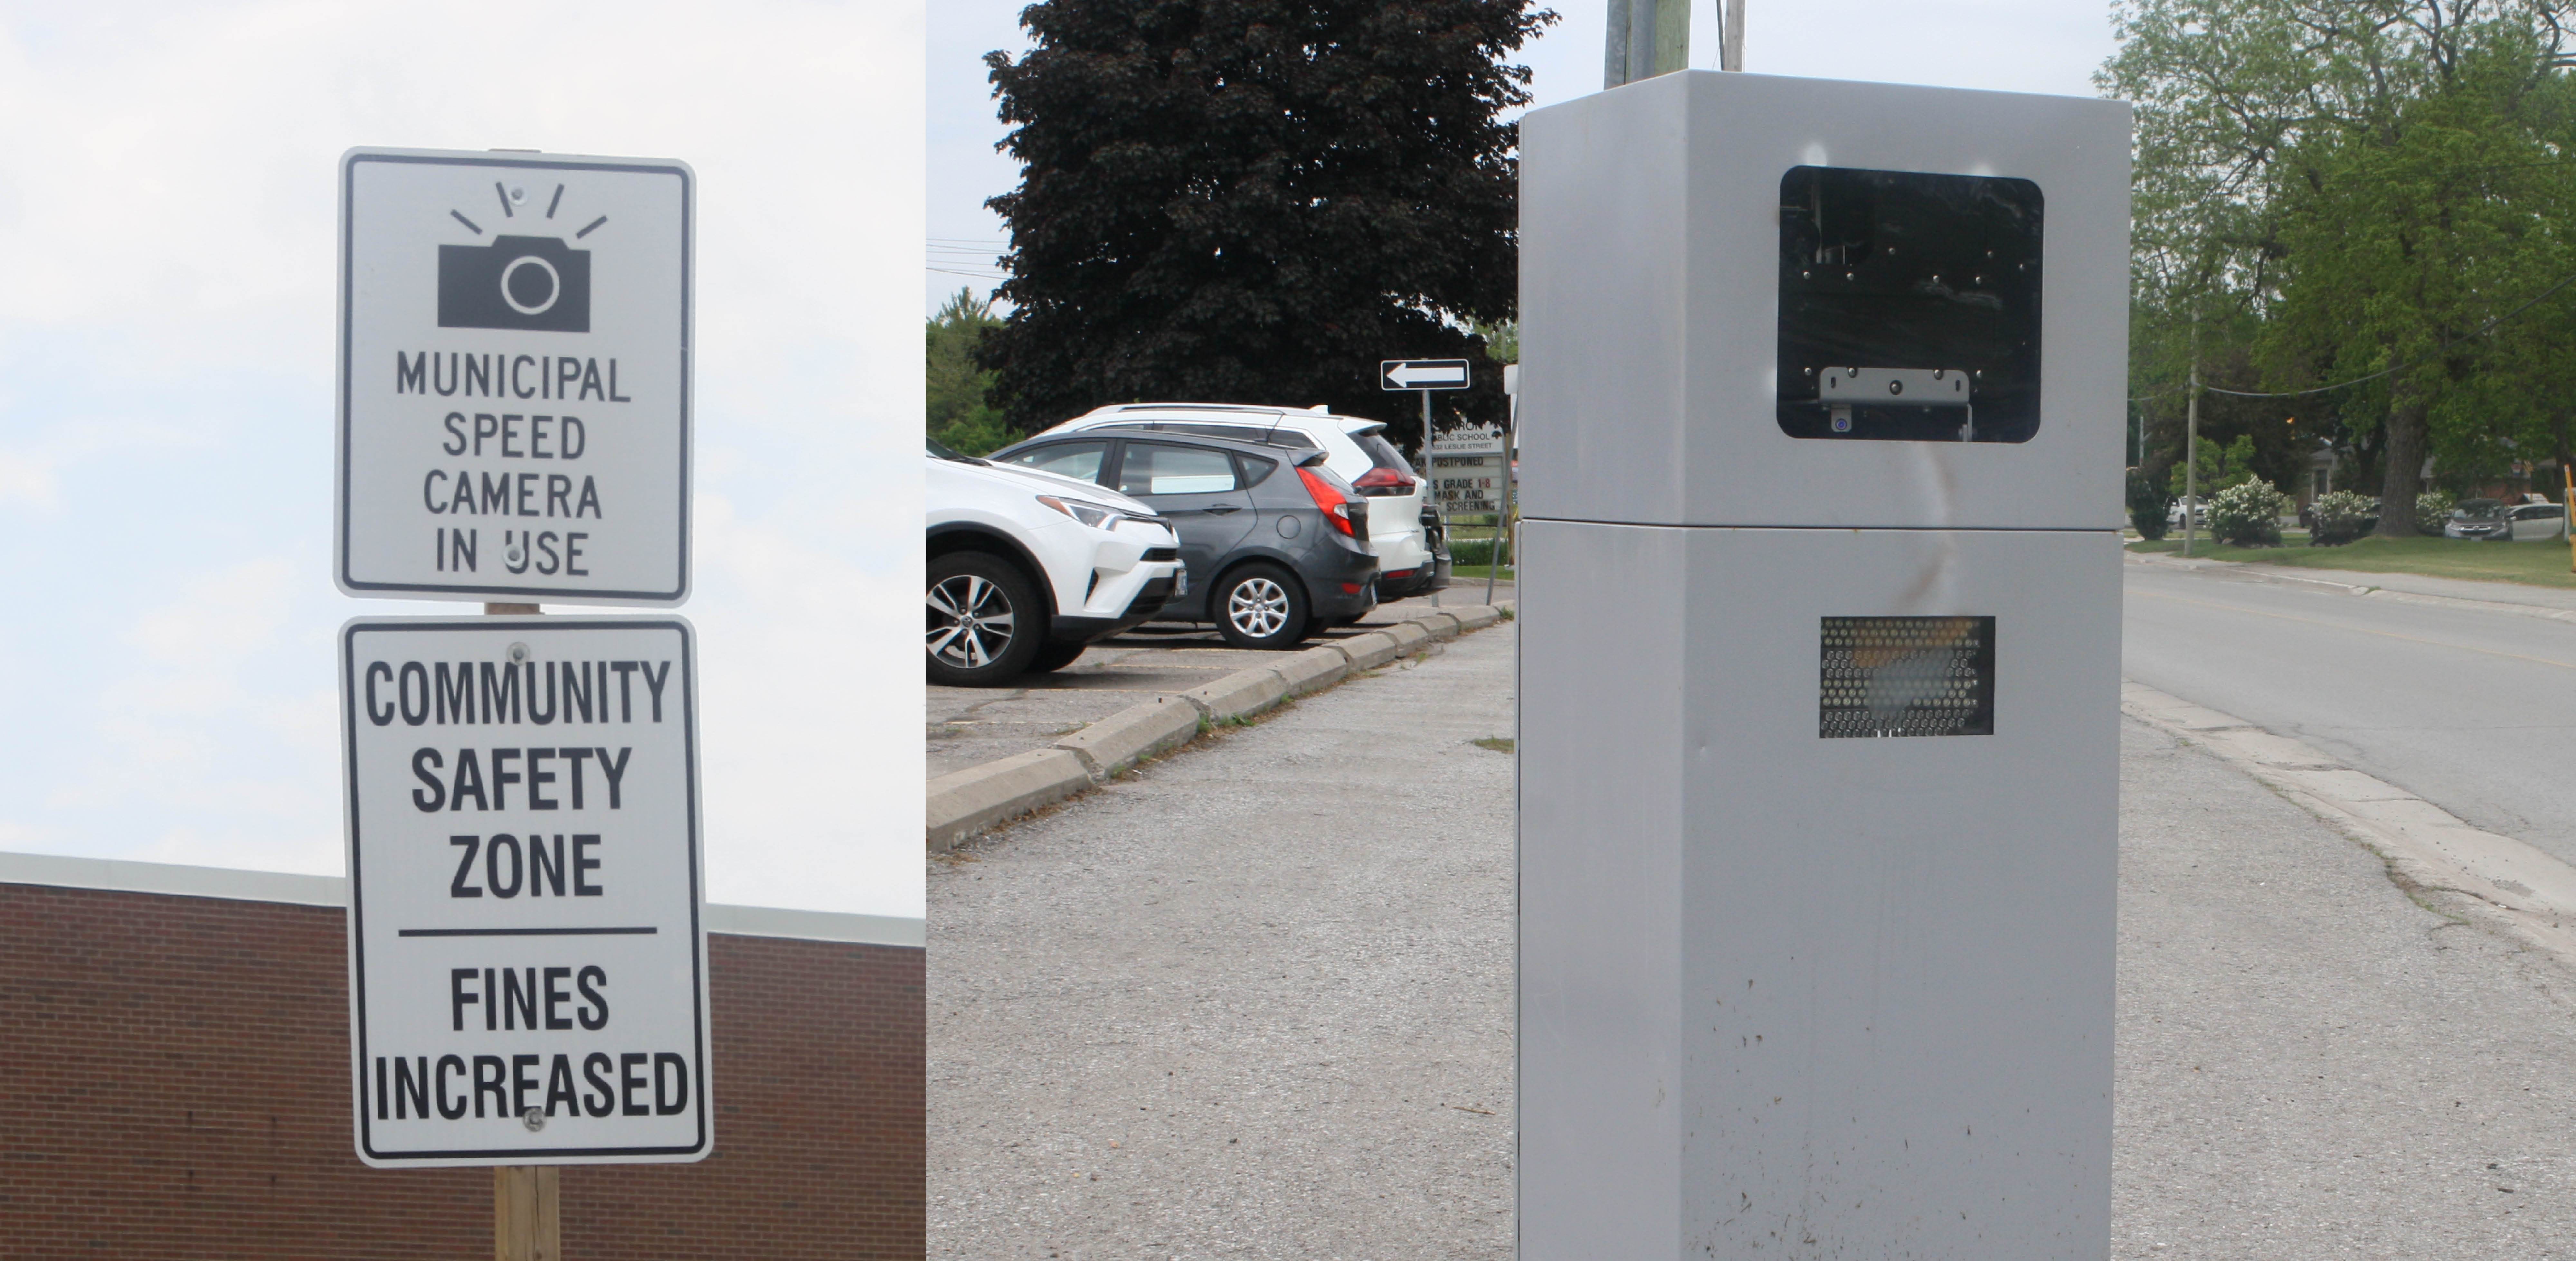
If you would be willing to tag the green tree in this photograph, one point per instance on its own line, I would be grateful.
(2328, 189)
(1256, 200)
(2222, 467)
(960, 415)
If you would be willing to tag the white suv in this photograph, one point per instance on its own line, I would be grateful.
(1025, 568)
(1412, 557)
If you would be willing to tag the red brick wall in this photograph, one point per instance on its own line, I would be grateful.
(174, 1082)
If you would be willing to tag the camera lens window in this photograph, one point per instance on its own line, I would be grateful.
(1909, 306)
(530, 285)
(516, 282)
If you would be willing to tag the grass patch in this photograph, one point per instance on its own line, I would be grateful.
(2535, 564)
(1499, 744)
(1461, 573)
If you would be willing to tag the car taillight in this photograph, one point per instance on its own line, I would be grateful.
(1383, 481)
(1336, 505)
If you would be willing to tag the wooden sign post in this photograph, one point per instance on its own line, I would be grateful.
(527, 1213)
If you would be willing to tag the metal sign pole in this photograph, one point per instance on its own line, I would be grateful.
(1503, 519)
(1427, 462)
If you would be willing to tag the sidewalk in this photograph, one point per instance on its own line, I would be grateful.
(2412, 584)
(1256, 1002)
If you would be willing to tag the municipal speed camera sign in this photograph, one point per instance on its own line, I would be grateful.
(527, 967)
(514, 377)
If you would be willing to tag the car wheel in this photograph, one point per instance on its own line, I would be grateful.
(1261, 606)
(985, 622)
(1055, 656)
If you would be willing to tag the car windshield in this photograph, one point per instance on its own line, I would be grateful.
(2477, 510)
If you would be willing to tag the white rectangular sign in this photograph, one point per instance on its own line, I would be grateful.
(514, 377)
(527, 966)
(1468, 440)
(1422, 374)
(1466, 472)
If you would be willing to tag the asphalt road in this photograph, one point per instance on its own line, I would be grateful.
(2468, 708)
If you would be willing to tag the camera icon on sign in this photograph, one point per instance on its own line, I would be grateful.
(515, 282)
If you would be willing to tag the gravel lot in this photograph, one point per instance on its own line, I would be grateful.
(1255, 1002)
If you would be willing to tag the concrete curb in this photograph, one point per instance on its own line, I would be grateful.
(966, 802)
(1240, 694)
(2508, 885)
(1313, 670)
(1369, 651)
(963, 803)
(1133, 734)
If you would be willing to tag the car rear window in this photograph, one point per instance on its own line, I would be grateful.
(1382, 453)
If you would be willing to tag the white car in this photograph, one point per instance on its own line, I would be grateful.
(2506, 523)
(1025, 568)
(1413, 558)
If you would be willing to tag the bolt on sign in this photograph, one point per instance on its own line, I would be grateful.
(514, 377)
(526, 954)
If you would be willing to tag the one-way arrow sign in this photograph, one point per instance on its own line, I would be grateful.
(1422, 374)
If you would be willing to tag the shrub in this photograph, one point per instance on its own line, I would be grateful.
(2148, 504)
(2247, 515)
(2341, 516)
(2431, 507)
(1477, 551)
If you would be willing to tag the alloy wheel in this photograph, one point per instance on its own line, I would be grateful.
(1258, 607)
(971, 621)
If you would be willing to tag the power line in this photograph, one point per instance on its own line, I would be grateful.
(2480, 331)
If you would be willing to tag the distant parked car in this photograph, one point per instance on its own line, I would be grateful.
(1406, 530)
(1026, 567)
(1276, 545)
(2528, 522)
(2199, 512)
(2477, 519)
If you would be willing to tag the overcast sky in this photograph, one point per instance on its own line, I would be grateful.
(2006, 45)
(166, 315)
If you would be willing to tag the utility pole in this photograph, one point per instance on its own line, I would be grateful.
(2191, 462)
(1646, 38)
(1730, 37)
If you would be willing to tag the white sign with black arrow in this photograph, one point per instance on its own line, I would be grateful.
(527, 963)
(1422, 374)
(514, 377)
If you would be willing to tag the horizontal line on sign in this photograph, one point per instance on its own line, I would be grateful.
(646, 931)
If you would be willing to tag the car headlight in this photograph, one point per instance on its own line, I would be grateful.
(1093, 515)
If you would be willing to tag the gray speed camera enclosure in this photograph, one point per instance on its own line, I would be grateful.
(1819, 669)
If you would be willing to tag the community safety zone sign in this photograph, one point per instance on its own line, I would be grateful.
(527, 964)
(514, 377)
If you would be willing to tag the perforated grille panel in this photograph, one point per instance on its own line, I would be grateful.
(1908, 676)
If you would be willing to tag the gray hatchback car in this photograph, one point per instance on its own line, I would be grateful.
(1274, 545)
